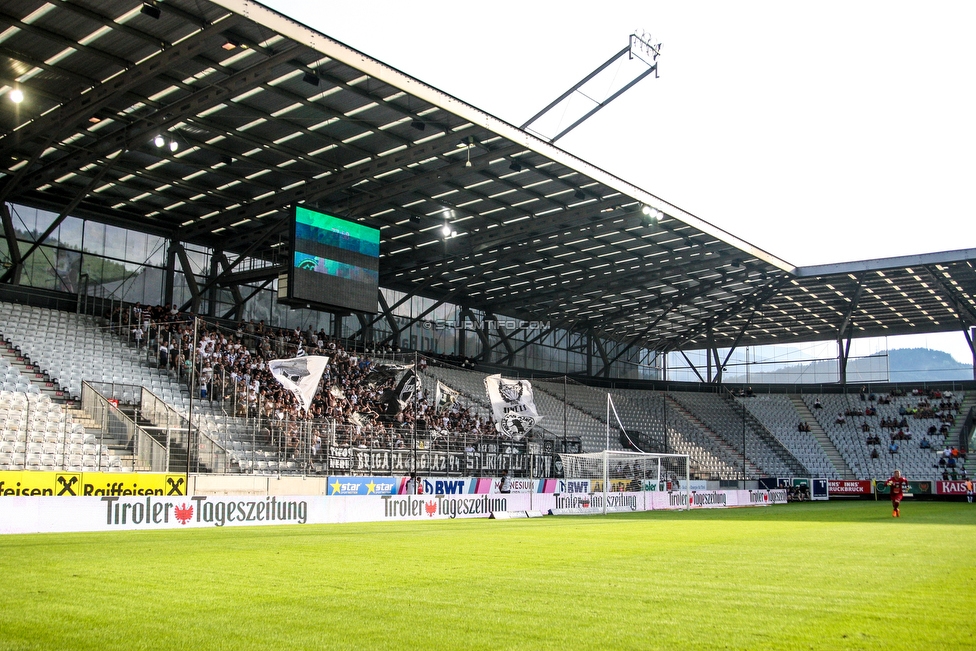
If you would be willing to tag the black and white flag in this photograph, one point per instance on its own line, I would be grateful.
(407, 387)
(512, 405)
(300, 375)
(444, 396)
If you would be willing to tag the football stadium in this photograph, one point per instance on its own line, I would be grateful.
(300, 351)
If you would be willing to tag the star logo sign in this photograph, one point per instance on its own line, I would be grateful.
(370, 487)
(335, 487)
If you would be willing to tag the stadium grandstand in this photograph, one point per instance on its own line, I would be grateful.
(156, 161)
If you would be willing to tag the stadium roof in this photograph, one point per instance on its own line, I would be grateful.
(266, 112)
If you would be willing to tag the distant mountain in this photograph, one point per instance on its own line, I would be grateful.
(926, 365)
(900, 365)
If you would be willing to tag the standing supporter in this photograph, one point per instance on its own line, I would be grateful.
(505, 485)
(897, 484)
(969, 491)
(413, 484)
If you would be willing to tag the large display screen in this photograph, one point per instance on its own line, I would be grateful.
(335, 262)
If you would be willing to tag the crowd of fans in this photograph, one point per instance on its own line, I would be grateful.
(356, 392)
(362, 400)
(930, 404)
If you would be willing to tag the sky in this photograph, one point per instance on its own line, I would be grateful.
(819, 132)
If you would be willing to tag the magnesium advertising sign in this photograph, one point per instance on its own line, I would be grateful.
(32, 483)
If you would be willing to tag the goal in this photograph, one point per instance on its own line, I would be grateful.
(632, 472)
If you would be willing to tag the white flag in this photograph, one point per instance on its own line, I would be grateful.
(444, 396)
(300, 375)
(512, 405)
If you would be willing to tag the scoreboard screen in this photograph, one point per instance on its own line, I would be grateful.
(335, 263)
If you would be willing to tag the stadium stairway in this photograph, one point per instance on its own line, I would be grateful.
(779, 451)
(727, 451)
(967, 403)
(119, 452)
(833, 454)
(177, 451)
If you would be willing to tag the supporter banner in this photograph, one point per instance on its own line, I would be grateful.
(72, 484)
(950, 487)
(300, 375)
(362, 486)
(403, 462)
(849, 486)
(444, 396)
(512, 405)
(407, 387)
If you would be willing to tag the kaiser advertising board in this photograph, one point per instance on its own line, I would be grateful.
(950, 487)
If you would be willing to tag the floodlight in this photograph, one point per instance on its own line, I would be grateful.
(159, 141)
(16, 96)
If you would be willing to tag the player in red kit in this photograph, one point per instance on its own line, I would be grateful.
(898, 486)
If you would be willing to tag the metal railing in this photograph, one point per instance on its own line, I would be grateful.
(118, 428)
(202, 453)
(261, 445)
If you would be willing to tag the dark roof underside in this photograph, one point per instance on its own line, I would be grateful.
(264, 120)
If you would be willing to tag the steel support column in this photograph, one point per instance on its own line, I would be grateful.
(169, 279)
(191, 282)
(16, 262)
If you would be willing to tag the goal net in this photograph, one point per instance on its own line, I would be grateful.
(632, 472)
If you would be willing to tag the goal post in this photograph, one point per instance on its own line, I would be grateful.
(630, 472)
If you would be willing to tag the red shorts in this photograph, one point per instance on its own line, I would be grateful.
(896, 499)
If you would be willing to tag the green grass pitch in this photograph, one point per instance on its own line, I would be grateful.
(837, 575)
